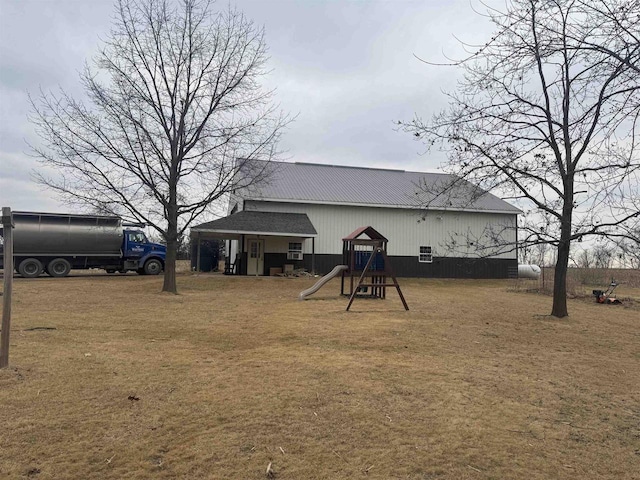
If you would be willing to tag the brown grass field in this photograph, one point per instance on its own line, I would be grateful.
(109, 379)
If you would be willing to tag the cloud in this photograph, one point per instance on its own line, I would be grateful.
(25, 195)
(347, 68)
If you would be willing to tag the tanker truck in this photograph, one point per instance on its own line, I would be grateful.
(56, 243)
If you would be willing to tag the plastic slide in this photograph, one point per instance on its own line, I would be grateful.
(318, 285)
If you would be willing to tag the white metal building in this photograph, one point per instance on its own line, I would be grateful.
(305, 210)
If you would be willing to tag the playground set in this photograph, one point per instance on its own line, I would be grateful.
(367, 266)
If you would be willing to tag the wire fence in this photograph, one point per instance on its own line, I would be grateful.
(582, 281)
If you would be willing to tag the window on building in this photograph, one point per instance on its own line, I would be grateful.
(295, 251)
(426, 255)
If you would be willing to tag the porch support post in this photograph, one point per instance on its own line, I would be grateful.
(258, 256)
(238, 269)
(198, 258)
(313, 255)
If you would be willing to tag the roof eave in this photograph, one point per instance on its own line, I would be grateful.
(516, 211)
(253, 232)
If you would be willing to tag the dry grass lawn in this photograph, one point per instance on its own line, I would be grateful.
(110, 379)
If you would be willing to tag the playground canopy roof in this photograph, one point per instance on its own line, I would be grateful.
(370, 232)
(373, 187)
(260, 223)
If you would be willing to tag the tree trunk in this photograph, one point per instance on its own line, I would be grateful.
(559, 308)
(169, 284)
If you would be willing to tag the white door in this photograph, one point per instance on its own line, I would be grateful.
(255, 257)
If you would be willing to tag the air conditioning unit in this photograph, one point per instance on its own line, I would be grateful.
(294, 256)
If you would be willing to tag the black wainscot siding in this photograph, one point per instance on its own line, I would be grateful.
(441, 267)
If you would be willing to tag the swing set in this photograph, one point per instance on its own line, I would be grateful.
(368, 266)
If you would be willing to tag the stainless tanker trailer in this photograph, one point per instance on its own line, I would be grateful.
(56, 243)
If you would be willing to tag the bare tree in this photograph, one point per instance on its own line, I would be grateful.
(173, 117)
(603, 255)
(526, 254)
(541, 250)
(630, 251)
(584, 258)
(547, 114)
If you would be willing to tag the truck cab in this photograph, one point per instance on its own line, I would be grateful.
(147, 257)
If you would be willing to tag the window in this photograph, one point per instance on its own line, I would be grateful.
(295, 251)
(254, 250)
(137, 237)
(426, 255)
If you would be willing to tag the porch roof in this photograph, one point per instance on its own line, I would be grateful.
(260, 223)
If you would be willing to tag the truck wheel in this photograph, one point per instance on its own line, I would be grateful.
(30, 268)
(111, 270)
(58, 267)
(152, 267)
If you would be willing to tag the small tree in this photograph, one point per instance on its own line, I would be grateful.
(584, 259)
(630, 252)
(603, 255)
(547, 114)
(526, 254)
(539, 254)
(173, 118)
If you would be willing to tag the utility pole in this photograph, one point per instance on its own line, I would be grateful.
(7, 229)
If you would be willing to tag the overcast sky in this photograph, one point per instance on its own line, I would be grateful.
(346, 68)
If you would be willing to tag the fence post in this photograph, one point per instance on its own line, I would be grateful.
(7, 229)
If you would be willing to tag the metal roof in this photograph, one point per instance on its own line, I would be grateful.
(261, 223)
(342, 185)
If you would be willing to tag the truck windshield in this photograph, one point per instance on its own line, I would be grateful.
(137, 237)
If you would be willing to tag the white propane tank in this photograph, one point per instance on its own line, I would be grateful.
(529, 271)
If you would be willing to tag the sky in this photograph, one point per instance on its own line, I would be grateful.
(346, 68)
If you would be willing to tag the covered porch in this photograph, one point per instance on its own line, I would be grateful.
(260, 243)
